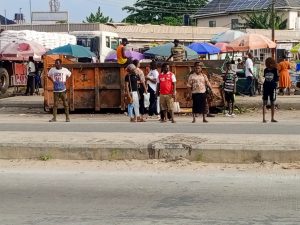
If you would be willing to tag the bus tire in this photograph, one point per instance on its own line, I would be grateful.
(4, 80)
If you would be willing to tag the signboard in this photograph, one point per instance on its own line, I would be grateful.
(50, 16)
(286, 46)
(19, 78)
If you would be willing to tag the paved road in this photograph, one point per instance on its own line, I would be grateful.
(146, 198)
(285, 128)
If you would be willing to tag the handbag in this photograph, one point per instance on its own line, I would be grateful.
(208, 90)
(128, 96)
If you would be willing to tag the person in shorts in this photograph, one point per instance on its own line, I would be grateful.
(166, 89)
(230, 80)
(269, 87)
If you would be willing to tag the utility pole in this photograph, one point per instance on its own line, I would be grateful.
(30, 10)
(5, 19)
(273, 26)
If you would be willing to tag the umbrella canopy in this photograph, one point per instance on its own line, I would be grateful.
(132, 54)
(296, 49)
(250, 42)
(204, 48)
(76, 51)
(165, 51)
(227, 36)
(223, 47)
(22, 50)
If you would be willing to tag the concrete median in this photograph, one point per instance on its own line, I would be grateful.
(211, 148)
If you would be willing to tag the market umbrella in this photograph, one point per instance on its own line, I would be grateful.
(76, 51)
(227, 36)
(165, 51)
(223, 47)
(203, 48)
(22, 50)
(132, 54)
(250, 42)
(296, 49)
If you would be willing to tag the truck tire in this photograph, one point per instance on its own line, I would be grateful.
(4, 80)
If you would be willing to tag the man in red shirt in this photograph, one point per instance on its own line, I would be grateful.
(166, 89)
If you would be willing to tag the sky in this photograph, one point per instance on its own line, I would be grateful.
(78, 9)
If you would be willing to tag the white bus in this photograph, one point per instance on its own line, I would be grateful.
(102, 43)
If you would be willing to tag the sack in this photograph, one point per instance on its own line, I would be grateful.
(176, 107)
(146, 100)
(128, 99)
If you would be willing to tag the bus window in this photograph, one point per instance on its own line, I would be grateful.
(85, 42)
(107, 41)
(114, 43)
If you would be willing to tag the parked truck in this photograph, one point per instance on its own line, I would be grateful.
(13, 72)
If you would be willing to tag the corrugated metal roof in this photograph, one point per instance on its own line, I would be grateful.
(231, 6)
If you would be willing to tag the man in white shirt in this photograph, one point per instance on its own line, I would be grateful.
(249, 75)
(59, 76)
(31, 70)
(152, 83)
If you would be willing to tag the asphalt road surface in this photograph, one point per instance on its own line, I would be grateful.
(142, 197)
(285, 128)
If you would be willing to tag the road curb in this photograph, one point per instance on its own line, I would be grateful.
(210, 153)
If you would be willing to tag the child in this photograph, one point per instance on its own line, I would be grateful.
(269, 87)
(230, 80)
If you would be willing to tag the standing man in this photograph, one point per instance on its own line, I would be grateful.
(31, 70)
(177, 52)
(59, 76)
(151, 81)
(249, 75)
(166, 89)
(121, 57)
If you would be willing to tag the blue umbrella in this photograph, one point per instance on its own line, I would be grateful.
(72, 50)
(204, 48)
(165, 51)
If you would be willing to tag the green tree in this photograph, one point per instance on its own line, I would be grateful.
(263, 20)
(169, 12)
(98, 17)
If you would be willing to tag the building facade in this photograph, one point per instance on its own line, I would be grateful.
(224, 13)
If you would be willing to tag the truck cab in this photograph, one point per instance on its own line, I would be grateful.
(102, 43)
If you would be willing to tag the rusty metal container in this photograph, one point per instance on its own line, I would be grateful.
(99, 86)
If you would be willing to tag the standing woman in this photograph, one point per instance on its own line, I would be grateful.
(284, 76)
(141, 88)
(131, 88)
(269, 87)
(197, 84)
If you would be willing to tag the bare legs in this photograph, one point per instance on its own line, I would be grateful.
(272, 113)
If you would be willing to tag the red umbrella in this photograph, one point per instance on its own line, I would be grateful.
(223, 47)
(250, 42)
(22, 50)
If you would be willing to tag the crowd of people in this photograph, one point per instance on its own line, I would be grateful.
(155, 93)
